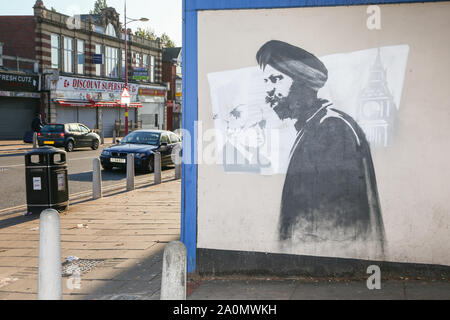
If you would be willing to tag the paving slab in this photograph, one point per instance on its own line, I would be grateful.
(116, 230)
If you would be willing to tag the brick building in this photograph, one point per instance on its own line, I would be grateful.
(20, 97)
(82, 62)
(172, 74)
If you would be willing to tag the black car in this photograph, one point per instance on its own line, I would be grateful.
(69, 136)
(143, 144)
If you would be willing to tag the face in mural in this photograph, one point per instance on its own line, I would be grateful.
(277, 86)
(330, 193)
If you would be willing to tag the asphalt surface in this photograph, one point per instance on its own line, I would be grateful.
(80, 162)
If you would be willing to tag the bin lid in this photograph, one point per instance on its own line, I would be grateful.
(45, 150)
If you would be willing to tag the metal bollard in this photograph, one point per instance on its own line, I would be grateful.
(178, 171)
(130, 172)
(176, 159)
(50, 270)
(35, 140)
(157, 167)
(173, 282)
(102, 137)
(114, 137)
(96, 179)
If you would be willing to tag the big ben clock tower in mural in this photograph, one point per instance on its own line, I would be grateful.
(377, 111)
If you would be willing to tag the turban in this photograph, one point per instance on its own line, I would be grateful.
(294, 62)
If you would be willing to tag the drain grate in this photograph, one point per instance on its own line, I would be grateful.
(80, 266)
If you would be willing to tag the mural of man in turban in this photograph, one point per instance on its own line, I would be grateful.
(330, 190)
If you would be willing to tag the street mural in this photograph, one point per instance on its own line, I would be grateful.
(314, 120)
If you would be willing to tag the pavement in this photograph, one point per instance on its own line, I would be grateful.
(117, 244)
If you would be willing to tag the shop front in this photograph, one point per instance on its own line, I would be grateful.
(95, 103)
(153, 114)
(20, 100)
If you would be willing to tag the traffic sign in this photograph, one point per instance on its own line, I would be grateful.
(125, 97)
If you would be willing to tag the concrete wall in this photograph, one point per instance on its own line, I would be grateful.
(240, 211)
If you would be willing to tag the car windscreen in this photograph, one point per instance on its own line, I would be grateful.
(150, 138)
(49, 128)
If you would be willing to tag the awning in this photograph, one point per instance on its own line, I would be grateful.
(72, 103)
(115, 104)
(108, 104)
(111, 104)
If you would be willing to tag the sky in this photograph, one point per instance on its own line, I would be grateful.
(165, 15)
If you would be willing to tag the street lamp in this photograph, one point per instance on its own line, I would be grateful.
(126, 59)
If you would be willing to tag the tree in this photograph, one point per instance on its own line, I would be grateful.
(148, 33)
(98, 6)
(151, 35)
(167, 42)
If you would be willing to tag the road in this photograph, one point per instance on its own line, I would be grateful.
(12, 176)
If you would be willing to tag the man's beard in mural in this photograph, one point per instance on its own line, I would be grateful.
(330, 191)
(278, 103)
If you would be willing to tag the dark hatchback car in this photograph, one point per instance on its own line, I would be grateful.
(69, 136)
(143, 144)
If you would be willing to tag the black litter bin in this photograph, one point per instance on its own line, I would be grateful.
(46, 180)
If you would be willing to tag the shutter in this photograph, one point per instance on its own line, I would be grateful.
(88, 117)
(109, 116)
(66, 114)
(148, 114)
(16, 115)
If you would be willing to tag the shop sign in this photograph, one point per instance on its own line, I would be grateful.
(151, 92)
(93, 85)
(98, 59)
(19, 82)
(141, 74)
(92, 89)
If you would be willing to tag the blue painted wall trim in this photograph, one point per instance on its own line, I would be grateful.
(194, 5)
(189, 118)
(190, 95)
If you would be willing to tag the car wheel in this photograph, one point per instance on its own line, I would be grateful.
(95, 145)
(69, 146)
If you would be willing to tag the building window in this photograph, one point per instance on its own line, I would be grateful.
(98, 67)
(112, 62)
(124, 60)
(138, 60)
(110, 31)
(80, 56)
(55, 51)
(68, 55)
(152, 69)
(145, 64)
